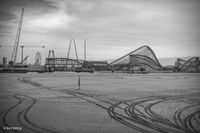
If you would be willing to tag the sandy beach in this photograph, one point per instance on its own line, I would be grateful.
(105, 103)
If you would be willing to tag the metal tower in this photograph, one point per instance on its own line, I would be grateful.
(72, 40)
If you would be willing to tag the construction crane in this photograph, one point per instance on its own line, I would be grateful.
(15, 48)
(22, 51)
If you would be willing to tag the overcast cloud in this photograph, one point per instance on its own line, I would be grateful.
(112, 27)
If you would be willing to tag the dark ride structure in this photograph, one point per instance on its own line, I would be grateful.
(142, 59)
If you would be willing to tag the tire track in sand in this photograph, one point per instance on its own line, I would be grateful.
(142, 119)
(21, 110)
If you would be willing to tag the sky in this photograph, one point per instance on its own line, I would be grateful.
(112, 28)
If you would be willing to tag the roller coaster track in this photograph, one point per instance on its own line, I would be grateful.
(140, 114)
(139, 64)
(135, 51)
(146, 58)
(188, 62)
(143, 53)
(147, 61)
(68, 59)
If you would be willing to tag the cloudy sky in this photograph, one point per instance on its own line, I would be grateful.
(112, 27)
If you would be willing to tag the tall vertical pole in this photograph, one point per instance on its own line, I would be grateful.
(85, 49)
(79, 82)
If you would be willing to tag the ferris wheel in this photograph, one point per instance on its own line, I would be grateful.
(38, 58)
